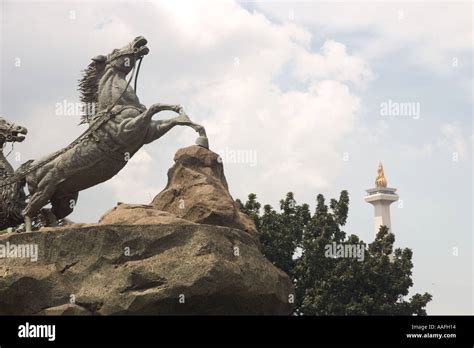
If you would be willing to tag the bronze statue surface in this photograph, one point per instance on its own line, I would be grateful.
(12, 197)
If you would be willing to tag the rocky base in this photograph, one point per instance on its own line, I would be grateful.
(191, 251)
(197, 191)
(142, 269)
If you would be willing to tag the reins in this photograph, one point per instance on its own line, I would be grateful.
(109, 109)
(136, 76)
(11, 150)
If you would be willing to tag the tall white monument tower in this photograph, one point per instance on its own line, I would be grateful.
(381, 197)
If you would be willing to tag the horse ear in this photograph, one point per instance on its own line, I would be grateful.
(99, 59)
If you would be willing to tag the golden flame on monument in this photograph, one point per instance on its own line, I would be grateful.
(380, 180)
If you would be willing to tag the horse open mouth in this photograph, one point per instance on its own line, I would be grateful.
(140, 46)
(18, 136)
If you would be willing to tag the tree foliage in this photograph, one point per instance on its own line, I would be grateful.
(296, 241)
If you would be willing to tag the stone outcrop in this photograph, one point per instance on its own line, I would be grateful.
(140, 214)
(197, 191)
(141, 269)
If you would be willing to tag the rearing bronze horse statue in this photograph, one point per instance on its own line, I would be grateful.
(118, 127)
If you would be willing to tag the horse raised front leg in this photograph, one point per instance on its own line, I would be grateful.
(156, 108)
(146, 116)
(159, 128)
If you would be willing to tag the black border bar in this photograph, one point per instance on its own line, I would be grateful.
(140, 330)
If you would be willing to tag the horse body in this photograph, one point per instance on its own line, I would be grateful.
(103, 153)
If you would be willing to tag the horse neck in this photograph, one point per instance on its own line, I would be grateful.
(5, 167)
(111, 90)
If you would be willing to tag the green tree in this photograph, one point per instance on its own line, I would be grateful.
(296, 241)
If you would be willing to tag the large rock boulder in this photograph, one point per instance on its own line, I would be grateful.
(189, 252)
(141, 269)
(197, 191)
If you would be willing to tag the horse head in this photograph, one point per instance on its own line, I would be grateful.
(102, 72)
(124, 59)
(10, 132)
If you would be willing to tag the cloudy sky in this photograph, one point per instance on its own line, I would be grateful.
(297, 88)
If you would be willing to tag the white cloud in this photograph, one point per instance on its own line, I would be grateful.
(453, 140)
(416, 151)
(450, 141)
(334, 62)
(429, 34)
(131, 184)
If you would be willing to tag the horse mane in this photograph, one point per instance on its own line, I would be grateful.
(89, 88)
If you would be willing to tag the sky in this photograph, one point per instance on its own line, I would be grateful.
(295, 96)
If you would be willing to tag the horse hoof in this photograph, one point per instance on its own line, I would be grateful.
(203, 141)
